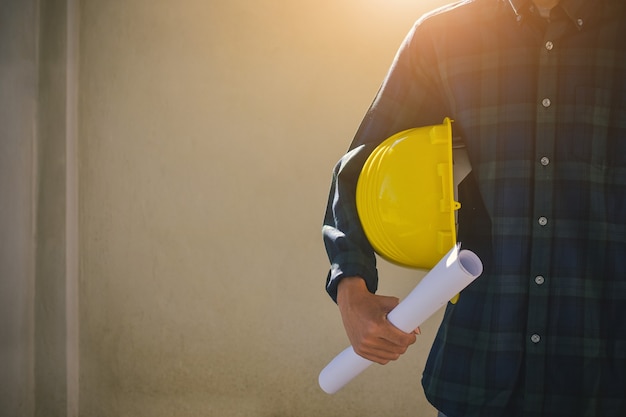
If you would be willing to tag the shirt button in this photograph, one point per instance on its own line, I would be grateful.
(579, 22)
(549, 45)
(545, 161)
(546, 102)
(539, 280)
(542, 221)
(535, 338)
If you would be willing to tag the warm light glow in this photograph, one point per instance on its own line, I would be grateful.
(412, 4)
(402, 8)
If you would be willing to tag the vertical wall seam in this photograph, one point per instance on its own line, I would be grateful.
(72, 212)
(29, 408)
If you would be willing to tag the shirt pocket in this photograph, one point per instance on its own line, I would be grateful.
(599, 134)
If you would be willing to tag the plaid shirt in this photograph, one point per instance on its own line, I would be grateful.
(540, 105)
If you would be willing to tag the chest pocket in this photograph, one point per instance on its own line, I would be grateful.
(599, 134)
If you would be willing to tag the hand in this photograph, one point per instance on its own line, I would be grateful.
(364, 317)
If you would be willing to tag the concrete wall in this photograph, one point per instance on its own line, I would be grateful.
(34, 259)
(208, 131)
(54, 261)
(206, 134)
(18, 105)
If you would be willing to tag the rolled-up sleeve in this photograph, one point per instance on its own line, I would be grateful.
(348, 249)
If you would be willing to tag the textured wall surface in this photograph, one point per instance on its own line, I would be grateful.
(18, 109)
(207, 135)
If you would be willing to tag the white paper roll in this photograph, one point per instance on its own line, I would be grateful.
(450, 276)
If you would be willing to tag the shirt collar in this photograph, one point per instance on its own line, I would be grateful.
(577, 10)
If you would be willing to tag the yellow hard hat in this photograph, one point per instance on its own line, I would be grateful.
(405, 196)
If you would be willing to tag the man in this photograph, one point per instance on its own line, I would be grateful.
(537, 92)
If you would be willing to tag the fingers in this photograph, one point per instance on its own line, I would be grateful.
(382, 342)
(382, 351)
(364, 316)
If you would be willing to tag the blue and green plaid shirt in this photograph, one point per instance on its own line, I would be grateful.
(540, 105)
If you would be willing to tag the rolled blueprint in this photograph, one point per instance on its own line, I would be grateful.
(455, 271)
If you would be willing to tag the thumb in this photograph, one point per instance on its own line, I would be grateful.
(388, 303)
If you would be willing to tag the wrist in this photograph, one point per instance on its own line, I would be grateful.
(348, 286)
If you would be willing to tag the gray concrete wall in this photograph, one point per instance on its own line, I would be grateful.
(34, 259)
(174, 210)
(18, 109)
(51, 359)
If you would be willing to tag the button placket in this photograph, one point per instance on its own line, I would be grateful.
(542, 220)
